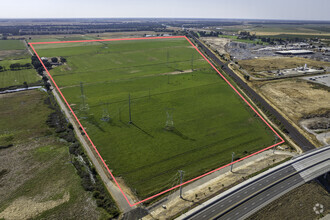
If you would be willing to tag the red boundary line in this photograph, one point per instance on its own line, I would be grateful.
(147, 38)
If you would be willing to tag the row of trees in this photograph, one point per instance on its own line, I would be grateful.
(16, 66)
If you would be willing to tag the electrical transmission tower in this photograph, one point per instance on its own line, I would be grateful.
(169, 125)
(105, 114)
(83, 105)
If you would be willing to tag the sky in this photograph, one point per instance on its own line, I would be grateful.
(249, 9)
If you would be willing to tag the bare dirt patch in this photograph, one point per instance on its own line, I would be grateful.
(295, 98)
(218, 44)
(178, 72)
(275, 63)
(25, 208)
(126, 189)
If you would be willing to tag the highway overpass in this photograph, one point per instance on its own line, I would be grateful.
(250, 196)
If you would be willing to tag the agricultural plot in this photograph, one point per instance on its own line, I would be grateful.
(13, 52)
(11, 45)
(184, 116)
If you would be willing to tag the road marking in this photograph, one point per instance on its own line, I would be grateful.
(268, 194)
(245, 208)
(230, 200)
(236, 213)
(261, 198)
(204, 216)
(213, 210)
(258, 191)
(245, 192)
(221, 206)
(252, 188)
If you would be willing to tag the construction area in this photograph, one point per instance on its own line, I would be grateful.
(298, 71)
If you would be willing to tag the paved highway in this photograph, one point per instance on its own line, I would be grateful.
(250, 196)
(295, 135)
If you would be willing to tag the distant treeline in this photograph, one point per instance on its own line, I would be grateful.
(80, 28)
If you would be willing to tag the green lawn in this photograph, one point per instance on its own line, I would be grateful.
(210, 120)
(11, 45)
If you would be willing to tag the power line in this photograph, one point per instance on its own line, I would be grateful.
(129, 109)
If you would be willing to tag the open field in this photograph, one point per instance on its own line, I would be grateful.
(11, 45)
(17, 77)
(275, 63)
(106, 35)
(13, 51)
(210, 121)
(297, 204)
(37, 179)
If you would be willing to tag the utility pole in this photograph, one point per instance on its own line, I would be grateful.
(181, 172)
(232, 160)
(167, 57)
(129, 108)
(274, 148)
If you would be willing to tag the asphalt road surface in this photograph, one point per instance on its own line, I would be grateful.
(295, 135)
(251, 196)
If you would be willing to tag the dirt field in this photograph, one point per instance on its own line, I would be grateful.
(217, 43)
(295, 97)
(297, 204)
(275, 63)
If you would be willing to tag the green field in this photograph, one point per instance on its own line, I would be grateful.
(210, 120)
(11, 45)
(17, 77)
